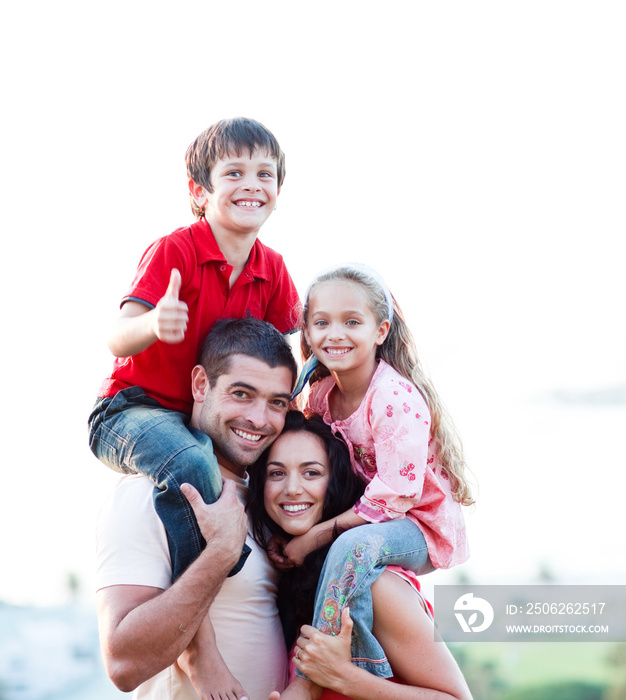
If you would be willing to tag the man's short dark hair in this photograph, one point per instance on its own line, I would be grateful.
(245, 336)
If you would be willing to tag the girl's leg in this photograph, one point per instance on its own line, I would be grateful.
(132, 434)
(355, 560)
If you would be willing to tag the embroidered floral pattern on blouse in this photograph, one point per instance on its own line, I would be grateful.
(378, 504)
(366, 459)
(406, 471)
(388, 438)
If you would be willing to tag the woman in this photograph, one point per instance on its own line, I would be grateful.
(304, 478)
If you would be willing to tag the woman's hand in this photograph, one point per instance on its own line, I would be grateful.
(326, 659)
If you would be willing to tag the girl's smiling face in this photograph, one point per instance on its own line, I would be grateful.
(341, 328)
(296, 480)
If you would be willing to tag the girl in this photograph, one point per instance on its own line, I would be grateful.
(306, 476)
(376, 396)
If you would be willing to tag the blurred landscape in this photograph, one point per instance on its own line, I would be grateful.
(53, 654)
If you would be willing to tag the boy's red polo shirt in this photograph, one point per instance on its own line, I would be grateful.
(264, 289)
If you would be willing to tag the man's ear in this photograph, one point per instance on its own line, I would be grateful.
(198, 193)
(199, 383)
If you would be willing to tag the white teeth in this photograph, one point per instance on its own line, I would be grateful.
(248, 436)
(332, 351)
(295, 509)
(249, 204)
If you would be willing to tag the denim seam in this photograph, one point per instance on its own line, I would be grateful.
(187, 509)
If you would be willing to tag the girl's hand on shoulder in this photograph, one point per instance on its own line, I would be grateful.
(298, 547)
(326, 659)
(276, 553)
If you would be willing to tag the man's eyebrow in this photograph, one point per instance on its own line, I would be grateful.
(254, 390)
(242, 385)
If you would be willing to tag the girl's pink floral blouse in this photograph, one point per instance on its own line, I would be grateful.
(390, 445)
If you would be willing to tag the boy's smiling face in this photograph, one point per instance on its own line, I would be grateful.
(245, 189)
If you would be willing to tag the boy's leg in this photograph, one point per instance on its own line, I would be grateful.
(134, 434)
(355, 560)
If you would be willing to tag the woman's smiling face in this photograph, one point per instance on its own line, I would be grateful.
(296, 480)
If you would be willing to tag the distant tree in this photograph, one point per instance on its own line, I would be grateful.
(73, 585)
(484, 678)
(546, 573)
(617, 660)
(566, 690)
(462, 577)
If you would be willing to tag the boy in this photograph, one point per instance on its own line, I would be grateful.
(213, 269)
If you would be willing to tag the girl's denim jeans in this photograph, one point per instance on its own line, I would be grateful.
(355, 560)
(132, 433)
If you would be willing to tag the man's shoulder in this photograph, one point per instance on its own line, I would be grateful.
(133, 486)
(130, 500)
(131, 544)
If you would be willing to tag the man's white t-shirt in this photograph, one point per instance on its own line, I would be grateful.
(132, 550)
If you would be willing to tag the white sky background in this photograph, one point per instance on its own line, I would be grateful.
(473, 152)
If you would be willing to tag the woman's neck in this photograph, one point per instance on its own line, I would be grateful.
(350, 389)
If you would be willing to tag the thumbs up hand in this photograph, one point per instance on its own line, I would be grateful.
(170, 314)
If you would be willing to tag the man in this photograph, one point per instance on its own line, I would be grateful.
(241, 394)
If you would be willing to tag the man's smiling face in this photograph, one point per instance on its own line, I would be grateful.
(244, 412)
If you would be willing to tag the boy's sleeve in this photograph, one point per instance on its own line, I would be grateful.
(284, 310)
(154, 270)
(400, 426)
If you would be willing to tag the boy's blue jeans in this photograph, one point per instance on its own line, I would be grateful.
(132, 433)
(355, 560)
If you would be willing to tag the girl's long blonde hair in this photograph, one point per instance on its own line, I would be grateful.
(399, 351)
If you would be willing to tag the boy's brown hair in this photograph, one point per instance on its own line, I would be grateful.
(234, 135)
